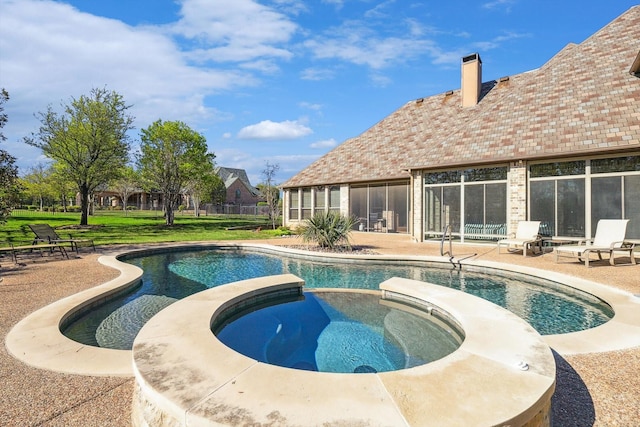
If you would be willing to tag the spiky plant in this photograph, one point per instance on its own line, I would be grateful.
(328, 229)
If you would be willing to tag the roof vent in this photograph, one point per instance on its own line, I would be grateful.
(419, 100)
(504, 79)
(448, 93)
(471, 79)
(635, 67)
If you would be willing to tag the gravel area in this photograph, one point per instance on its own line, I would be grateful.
(598, 389)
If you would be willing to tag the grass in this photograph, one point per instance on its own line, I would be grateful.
(112, 227)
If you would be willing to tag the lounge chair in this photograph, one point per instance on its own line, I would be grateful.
(610, 235)
(45, 233)
(526, 236)
(13, 250)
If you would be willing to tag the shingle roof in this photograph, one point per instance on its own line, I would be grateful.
(582, 101)
(231, 175)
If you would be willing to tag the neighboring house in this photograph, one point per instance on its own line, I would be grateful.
(138, 199)
(239, 192)
(559, 144)
(239, 189)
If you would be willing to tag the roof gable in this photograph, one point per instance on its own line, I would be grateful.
(231, 175)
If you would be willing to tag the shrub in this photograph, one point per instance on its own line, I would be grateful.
(328, 229)
(284, 231)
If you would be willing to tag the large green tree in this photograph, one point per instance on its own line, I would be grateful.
(88, 142)
(172, 155)
(63, 187)
(38, 185)
(9, 184)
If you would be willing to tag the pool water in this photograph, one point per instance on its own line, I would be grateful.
(549, 307)
(340, 332)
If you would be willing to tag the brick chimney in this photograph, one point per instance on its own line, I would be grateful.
(471, 79)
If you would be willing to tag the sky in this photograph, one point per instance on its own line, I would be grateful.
(279, 81)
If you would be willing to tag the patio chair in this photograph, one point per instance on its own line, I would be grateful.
(526, 236)
(13, 250)
(45, 233)
(610, 237)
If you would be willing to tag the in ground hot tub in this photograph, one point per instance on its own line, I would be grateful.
(340, 331)
(501, 374)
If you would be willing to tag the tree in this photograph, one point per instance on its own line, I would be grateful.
(9, 184)
(270, 192)
(202, 188)
(218, 191)
(38, 186)
(88, 142)
(62, 187)
(172, 154)
(126, 184)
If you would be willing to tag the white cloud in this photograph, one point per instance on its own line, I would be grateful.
(267, 129)
(380, 80)
(234, 30)
(499, 3)
(310, 106)
(51, 52)
(378, 11)
(326, 143)
(337, 3)
(317, 74)
(355, 42)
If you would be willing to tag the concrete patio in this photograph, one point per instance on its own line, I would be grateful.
(599, 389)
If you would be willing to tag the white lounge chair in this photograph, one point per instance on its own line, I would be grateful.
(610, 235)
(526, 236)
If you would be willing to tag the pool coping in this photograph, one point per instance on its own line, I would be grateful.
(186, 376)
(37, 341)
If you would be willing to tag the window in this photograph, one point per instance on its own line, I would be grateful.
(482, 215)
(334, 198)
(631, 205)
(559, 206)
(306, 203)
(397, 214)
(319, 202)
(616, 197)
(293, 204)
(561, 199)
(558, 169)
(619, 164)
(379, 207)
(442, 208)
(358, 206)
(485, 210)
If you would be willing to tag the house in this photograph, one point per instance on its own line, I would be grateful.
(559, 144)
(239, 192)
(239, 189)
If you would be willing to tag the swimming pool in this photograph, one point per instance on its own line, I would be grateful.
(171, 275)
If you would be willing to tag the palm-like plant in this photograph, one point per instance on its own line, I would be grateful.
(328, 229)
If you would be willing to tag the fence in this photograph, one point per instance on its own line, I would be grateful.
(236, 210)
(207, 209)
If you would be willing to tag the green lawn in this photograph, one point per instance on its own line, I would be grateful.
(109, 227)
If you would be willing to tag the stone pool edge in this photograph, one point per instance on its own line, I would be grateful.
(37, 341)
(179, 382)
